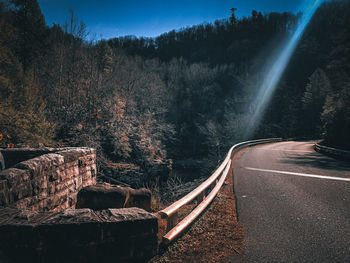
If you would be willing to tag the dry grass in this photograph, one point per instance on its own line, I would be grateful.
(123, 166)
(173, 189)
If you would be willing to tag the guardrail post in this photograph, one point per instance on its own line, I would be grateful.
(211, 187)
(200, 197)
(172, 221)
(199, 194)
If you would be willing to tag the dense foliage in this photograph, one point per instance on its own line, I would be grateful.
(185, 94)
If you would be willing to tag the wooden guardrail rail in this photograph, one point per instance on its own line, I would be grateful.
(214, 183)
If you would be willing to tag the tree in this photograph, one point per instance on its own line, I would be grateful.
(21, 109)
(336, 119)
(31, 28)
(313, 100)
(233, 19)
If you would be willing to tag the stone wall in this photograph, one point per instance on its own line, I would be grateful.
(17, 155)
(77, 235)
(38, 222)
(49, 180)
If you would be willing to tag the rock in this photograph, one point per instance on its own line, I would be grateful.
(139, 198)
(17, 155)
(77, 235)
(120, 215)
(104, 196)
(73, 216)
(49, 182)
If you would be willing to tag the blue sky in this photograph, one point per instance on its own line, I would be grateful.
(149, 18)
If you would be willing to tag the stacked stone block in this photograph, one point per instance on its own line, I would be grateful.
(38, 222)
(77, 235)
(49, 182)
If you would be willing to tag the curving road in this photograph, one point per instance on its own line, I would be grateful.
(293, 203)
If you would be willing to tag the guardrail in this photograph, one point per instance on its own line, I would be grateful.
(214, 183)
(332, 151)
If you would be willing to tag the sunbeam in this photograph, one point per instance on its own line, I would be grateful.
(274, 74)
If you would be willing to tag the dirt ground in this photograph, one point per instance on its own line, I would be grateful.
(215, 237)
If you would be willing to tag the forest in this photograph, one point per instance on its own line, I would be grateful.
(184, 95)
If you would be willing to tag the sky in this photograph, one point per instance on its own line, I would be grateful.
(150, 18)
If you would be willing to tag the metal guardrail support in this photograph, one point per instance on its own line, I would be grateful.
(172, 221)
(200, 197)
(214, 183)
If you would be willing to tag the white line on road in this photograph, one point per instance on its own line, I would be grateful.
(282, 150)
(300, 174)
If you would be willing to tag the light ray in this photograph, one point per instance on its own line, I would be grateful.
(274, 74)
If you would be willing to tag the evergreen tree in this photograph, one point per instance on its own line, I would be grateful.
(313, 100)
(31, 30)
(336, 119)
(21, 109)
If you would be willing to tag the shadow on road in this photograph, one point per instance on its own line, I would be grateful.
(317, 160)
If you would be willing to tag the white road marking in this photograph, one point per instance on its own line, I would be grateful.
(300, 174)
(282, 150)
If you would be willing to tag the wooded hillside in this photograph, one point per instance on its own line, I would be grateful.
(185, 94)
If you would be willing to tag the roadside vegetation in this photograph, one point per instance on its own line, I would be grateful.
(185, 95)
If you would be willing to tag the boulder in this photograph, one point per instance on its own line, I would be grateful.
(78, 235)
(139, 198)
(104, 196)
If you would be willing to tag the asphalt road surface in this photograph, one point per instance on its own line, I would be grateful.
(293, 203)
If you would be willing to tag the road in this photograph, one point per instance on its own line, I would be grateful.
(293, 203)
